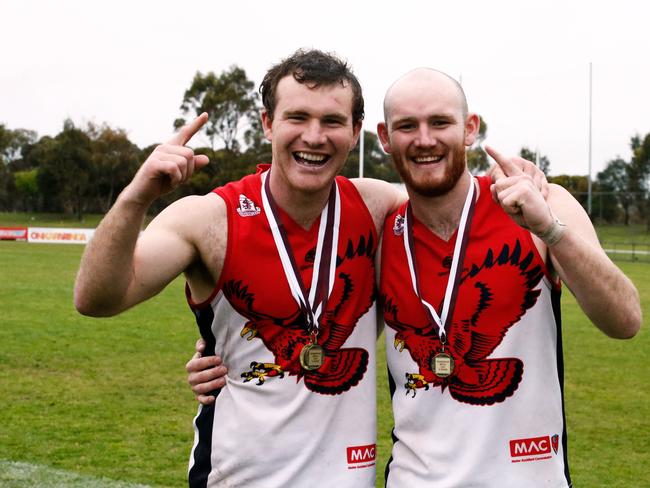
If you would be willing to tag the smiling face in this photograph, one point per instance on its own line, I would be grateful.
(311, 135)
(426, 130)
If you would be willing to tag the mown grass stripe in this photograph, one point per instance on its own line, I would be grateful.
(24, 475)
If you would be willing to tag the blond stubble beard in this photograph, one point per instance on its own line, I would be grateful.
(429, 188)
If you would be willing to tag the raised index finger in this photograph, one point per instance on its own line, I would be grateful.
(508, 167)
(186, 132)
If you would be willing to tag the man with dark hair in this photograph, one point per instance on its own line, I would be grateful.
(280, 276)
(312, 68)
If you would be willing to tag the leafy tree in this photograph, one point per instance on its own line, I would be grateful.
(33, 155)
(544, 163)
(477, 159)
(376, 163)
(12, 145)
(6, 188)
(229, 99)
(639, 173)
(115, 159)
(614, 185)
(255, 139)
(13, 142)
(65, 165)
(27, 193)
(577, 185)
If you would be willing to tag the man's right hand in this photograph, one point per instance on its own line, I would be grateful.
(168, 166)
(206, 374)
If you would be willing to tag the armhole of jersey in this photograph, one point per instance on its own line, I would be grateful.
(380, 281)
(226, 259)
(347, 186)
(387, 233)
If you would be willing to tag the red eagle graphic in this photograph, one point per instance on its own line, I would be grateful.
(286, 336)
(491, 299)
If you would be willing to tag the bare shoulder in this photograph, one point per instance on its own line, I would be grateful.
(380, 197)
(193, 220)
(200, 225)
(371, 185)
(192, 213)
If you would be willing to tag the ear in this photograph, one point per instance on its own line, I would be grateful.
(267, 123)
(382, 133)
(472, 126)
(356, 132)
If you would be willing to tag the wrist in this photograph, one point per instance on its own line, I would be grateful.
(553, 233)
(136, 200)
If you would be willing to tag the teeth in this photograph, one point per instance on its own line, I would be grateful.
(428, 159)
(315, 158)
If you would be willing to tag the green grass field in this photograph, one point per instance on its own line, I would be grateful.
(107, 399)
(8, 219)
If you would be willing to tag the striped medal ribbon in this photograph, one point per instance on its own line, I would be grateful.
(312, 305)
(442, 363)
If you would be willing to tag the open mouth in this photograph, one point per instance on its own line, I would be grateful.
(310, 159)
(429, 159)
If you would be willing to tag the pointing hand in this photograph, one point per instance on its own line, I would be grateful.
(169, 165)
(520, 195)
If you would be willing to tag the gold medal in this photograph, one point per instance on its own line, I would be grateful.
(442, 365)
(312, 357)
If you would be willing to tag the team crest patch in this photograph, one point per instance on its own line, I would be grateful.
(398, 226)
(247, 207)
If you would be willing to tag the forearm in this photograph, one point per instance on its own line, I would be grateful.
(107, 271)
(604, 293)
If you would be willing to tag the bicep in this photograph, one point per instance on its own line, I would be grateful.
(162, 252)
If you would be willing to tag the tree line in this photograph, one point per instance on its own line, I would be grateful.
(82, 169)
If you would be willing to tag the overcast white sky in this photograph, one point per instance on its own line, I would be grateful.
(524, 64)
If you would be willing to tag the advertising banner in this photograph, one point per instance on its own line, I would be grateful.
(59, 236)
(13, 233)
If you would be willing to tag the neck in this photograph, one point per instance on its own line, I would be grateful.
(304, 207)
(441, 214)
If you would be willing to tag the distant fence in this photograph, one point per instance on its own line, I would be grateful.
(625, 251)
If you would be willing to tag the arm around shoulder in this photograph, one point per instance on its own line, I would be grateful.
(605, 294)
(380, 197)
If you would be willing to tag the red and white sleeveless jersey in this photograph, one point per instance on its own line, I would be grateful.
(498, 419)
(276, 424)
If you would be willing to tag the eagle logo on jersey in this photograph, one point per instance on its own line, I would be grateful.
(286, 336)
(491, 298)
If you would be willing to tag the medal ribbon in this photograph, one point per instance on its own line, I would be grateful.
(453, 282)
(322, 280)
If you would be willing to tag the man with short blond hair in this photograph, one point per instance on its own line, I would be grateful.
(470, 286)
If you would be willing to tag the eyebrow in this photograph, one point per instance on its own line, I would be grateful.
(338, 116)
(435, 117)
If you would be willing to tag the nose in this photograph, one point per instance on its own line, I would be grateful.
(313, 134)
(425, 138)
